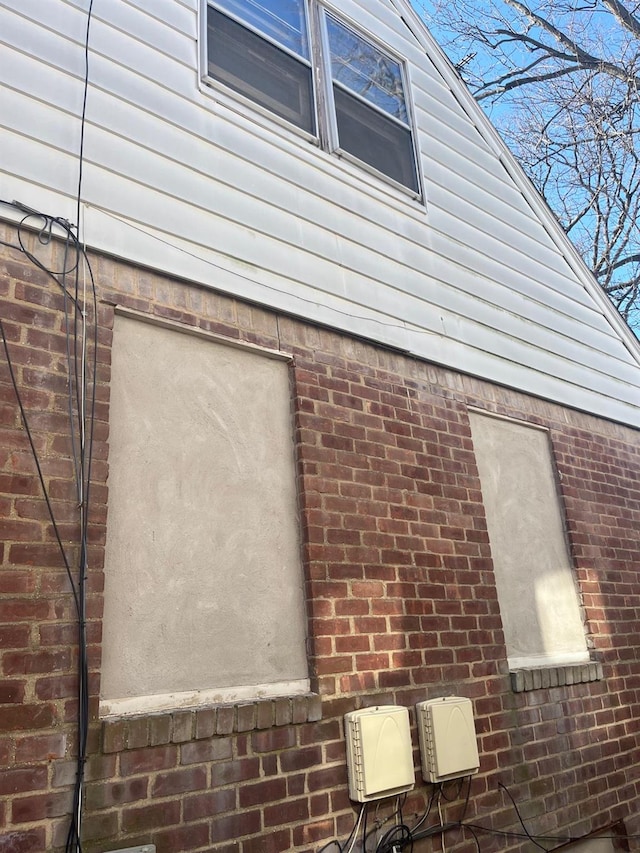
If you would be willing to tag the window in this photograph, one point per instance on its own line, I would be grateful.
(371, 116)
(204, 596)
(537, 592)
(266, 57)
(263, 49)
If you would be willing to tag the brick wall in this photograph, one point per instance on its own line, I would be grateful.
(401, 600)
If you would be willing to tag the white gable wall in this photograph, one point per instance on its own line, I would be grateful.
(179, 178)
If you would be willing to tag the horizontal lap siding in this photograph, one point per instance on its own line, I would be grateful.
(472, 280)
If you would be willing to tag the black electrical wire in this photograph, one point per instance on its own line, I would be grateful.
(378, 824)
(84, 482)
(396, 814)
(475, 837)
(81, 415)
(398, 837)
(348, 844)
(83, 116)
(406, 836)
(427, 810)
(36, 458)
(506, 833)
(333, 843)
(466, 799)
(554, 840)
(84, 485)
(522, 823)
(459, 782)
(81, 402)
(70, 373)
(364, 833)
(78, 381)
(62, 223)
(401, 837)
(5, 242)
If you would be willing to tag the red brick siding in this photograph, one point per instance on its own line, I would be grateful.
(401, 600)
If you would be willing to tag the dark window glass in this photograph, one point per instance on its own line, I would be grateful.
(371, 112)
(281, 20)
(259, 70)
(260, 49)
(375, 139)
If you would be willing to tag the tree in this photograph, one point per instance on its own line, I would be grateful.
(561, 80)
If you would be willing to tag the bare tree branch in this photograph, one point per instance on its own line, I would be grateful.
(504, 85)
(624, 16)
(566, 74)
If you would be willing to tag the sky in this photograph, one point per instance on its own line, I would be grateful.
(605, 35)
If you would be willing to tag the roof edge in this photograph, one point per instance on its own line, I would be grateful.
(532, 196)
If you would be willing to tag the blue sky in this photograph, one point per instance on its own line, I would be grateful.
(599, 27)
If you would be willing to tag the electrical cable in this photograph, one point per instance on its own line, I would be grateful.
(427, 811)
(84, 480)
(522, 823)
(83, 115)
(354, 834)
(6, 243)
(437, 795)
(475, 837)
(36, 458)
(81, 401)
(405, 325)
(364, 833)
(456, 796)
(62, 223)
(394, 815)
(444, 849)
(466, 799)
(70, 373)
(555, 840)
(332, 843)
(506, 833)
(399, 835)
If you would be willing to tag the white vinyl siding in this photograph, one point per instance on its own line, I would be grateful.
(194, 184)
(260, 50)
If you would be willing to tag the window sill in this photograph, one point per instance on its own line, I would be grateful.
(180, 726)
(537, 678)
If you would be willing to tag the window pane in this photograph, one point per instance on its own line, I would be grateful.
(365, 70)
(374, 139)
(259, 70)
(281, 20)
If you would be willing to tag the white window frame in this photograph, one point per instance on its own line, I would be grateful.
(326, 134)
(233, 95)
(331, 112)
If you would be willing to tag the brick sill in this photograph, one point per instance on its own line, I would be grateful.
(537, 678)
(136, 732)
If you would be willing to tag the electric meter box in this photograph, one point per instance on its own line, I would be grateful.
(379, 753)
(447, 734)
